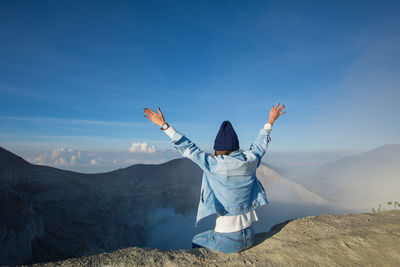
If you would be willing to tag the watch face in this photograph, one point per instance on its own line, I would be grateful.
(165, 126)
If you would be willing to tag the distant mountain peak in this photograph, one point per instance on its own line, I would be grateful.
(9, 159)
(386, 147)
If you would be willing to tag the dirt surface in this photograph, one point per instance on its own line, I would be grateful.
(365, 239)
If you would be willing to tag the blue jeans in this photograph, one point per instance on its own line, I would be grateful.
(225, 242)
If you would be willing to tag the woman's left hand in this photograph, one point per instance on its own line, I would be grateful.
(156, 118)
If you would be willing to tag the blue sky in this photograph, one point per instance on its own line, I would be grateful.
(78, 74)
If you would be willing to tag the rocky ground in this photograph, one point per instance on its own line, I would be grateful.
(363, 239)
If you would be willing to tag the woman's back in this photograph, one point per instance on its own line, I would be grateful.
(238, 163)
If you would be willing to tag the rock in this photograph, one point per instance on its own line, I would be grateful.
(326, 240)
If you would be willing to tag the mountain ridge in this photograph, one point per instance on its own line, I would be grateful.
(11, 159)
(383, 153)
(265, 173)
(57, 214)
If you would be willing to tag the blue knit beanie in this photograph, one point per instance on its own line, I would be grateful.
(226, 138)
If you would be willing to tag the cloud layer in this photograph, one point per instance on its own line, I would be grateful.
(100, 161)
(61, 157)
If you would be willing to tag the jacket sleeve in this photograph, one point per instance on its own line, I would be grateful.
(189, 150)
(259, 146)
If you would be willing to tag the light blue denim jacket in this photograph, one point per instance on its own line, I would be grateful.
(229, 185)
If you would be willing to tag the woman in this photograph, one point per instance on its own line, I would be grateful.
(229, 185)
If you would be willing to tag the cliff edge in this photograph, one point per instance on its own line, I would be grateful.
(364, 239)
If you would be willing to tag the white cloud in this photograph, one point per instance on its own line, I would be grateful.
(39, 160)
(61, 161)
(142, 147)
(58, 157)
(73, 159)
(56, 153)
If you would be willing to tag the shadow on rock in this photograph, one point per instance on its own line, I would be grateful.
(261, 237)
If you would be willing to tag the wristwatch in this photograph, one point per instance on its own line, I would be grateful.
(164, 127)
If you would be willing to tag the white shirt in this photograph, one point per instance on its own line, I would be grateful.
(228, 224)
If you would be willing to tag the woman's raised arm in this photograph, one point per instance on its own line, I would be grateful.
(185, 146)
(259, 145)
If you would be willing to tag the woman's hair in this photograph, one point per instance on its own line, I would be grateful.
(223, 152)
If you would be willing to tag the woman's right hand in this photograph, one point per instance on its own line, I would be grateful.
(154, 117)
(275, 113)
